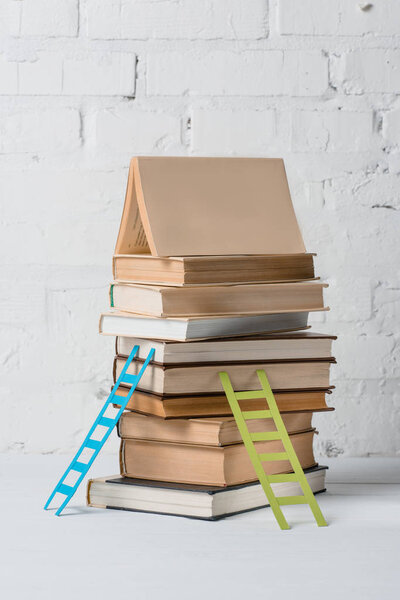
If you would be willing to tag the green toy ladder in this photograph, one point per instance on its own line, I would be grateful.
(272, 412)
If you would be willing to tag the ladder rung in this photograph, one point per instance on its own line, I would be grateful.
(132, 379)
(257, 414)
(264, 436)
(273, 456)
(65, 489)
(282, 477)
(79, 466)
(286, 500)
(93, 444)
(250, 395)
(106, 422)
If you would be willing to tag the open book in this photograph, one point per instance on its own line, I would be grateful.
(182, 206)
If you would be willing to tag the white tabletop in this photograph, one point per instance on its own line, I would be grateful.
(92, 553)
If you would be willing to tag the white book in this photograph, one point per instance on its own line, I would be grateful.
(199, 502)
(182, 329)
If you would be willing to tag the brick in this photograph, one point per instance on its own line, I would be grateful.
(309, 17)
(10, 17)
(248, 73)
(367, 70)
(333, 131)
(338, 18)
(41, 77)
(42, 131)
(50, 18)
(100, 74)
(90, 193)
(351, 298)
(128, 130)
(233, 132)
(216, 19)
(8, 76)
(391, 127)
(364, 357)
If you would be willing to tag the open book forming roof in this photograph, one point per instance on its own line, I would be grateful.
(183, 206)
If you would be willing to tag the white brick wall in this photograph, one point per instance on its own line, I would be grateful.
(84, 85)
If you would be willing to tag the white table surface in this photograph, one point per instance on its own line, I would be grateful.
(91, 553)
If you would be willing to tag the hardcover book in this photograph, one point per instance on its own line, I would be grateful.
(192, 501)
(207, 465)
(188, 206)
(212, 405)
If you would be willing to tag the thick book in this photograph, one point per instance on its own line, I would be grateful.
(280, 346)
(193, 501)
(204, 379)
(207, 465)
(216, 431)
(185, 206)
(208, 270)
(251, 299)
(193, 328)
(217, 405)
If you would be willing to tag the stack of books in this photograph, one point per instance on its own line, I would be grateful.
(211, 271)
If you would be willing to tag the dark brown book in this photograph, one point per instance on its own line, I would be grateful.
(207, 465)
(209, 405)
(212, 431)
(206, 270)
(204, 379)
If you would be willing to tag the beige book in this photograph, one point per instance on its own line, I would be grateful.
(279, 346)
(204, 378)
(207, 465)
(211, 270)
(217, 431)
(209, 405)
(235, 300)
(182, 206)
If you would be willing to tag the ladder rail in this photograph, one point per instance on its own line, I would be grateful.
(257, 459)
(294, 459)
(241, 424)
(97, 445)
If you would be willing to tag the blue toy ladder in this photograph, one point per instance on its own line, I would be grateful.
(79, 466)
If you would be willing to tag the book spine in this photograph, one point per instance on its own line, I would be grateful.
(111, 294)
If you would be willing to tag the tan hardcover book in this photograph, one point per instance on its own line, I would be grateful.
(209, 405)
(207, 465)
(217, 431)
(236, 300)
(211, 270)
(183, 206)
(280, 346)
(204, 378)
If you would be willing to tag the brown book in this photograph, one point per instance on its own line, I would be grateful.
(217, 431)
(280, 346)
(183, 206)
(210, 405)
(204, 379)
(207, 465)
(207, 270)
(251, 299)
